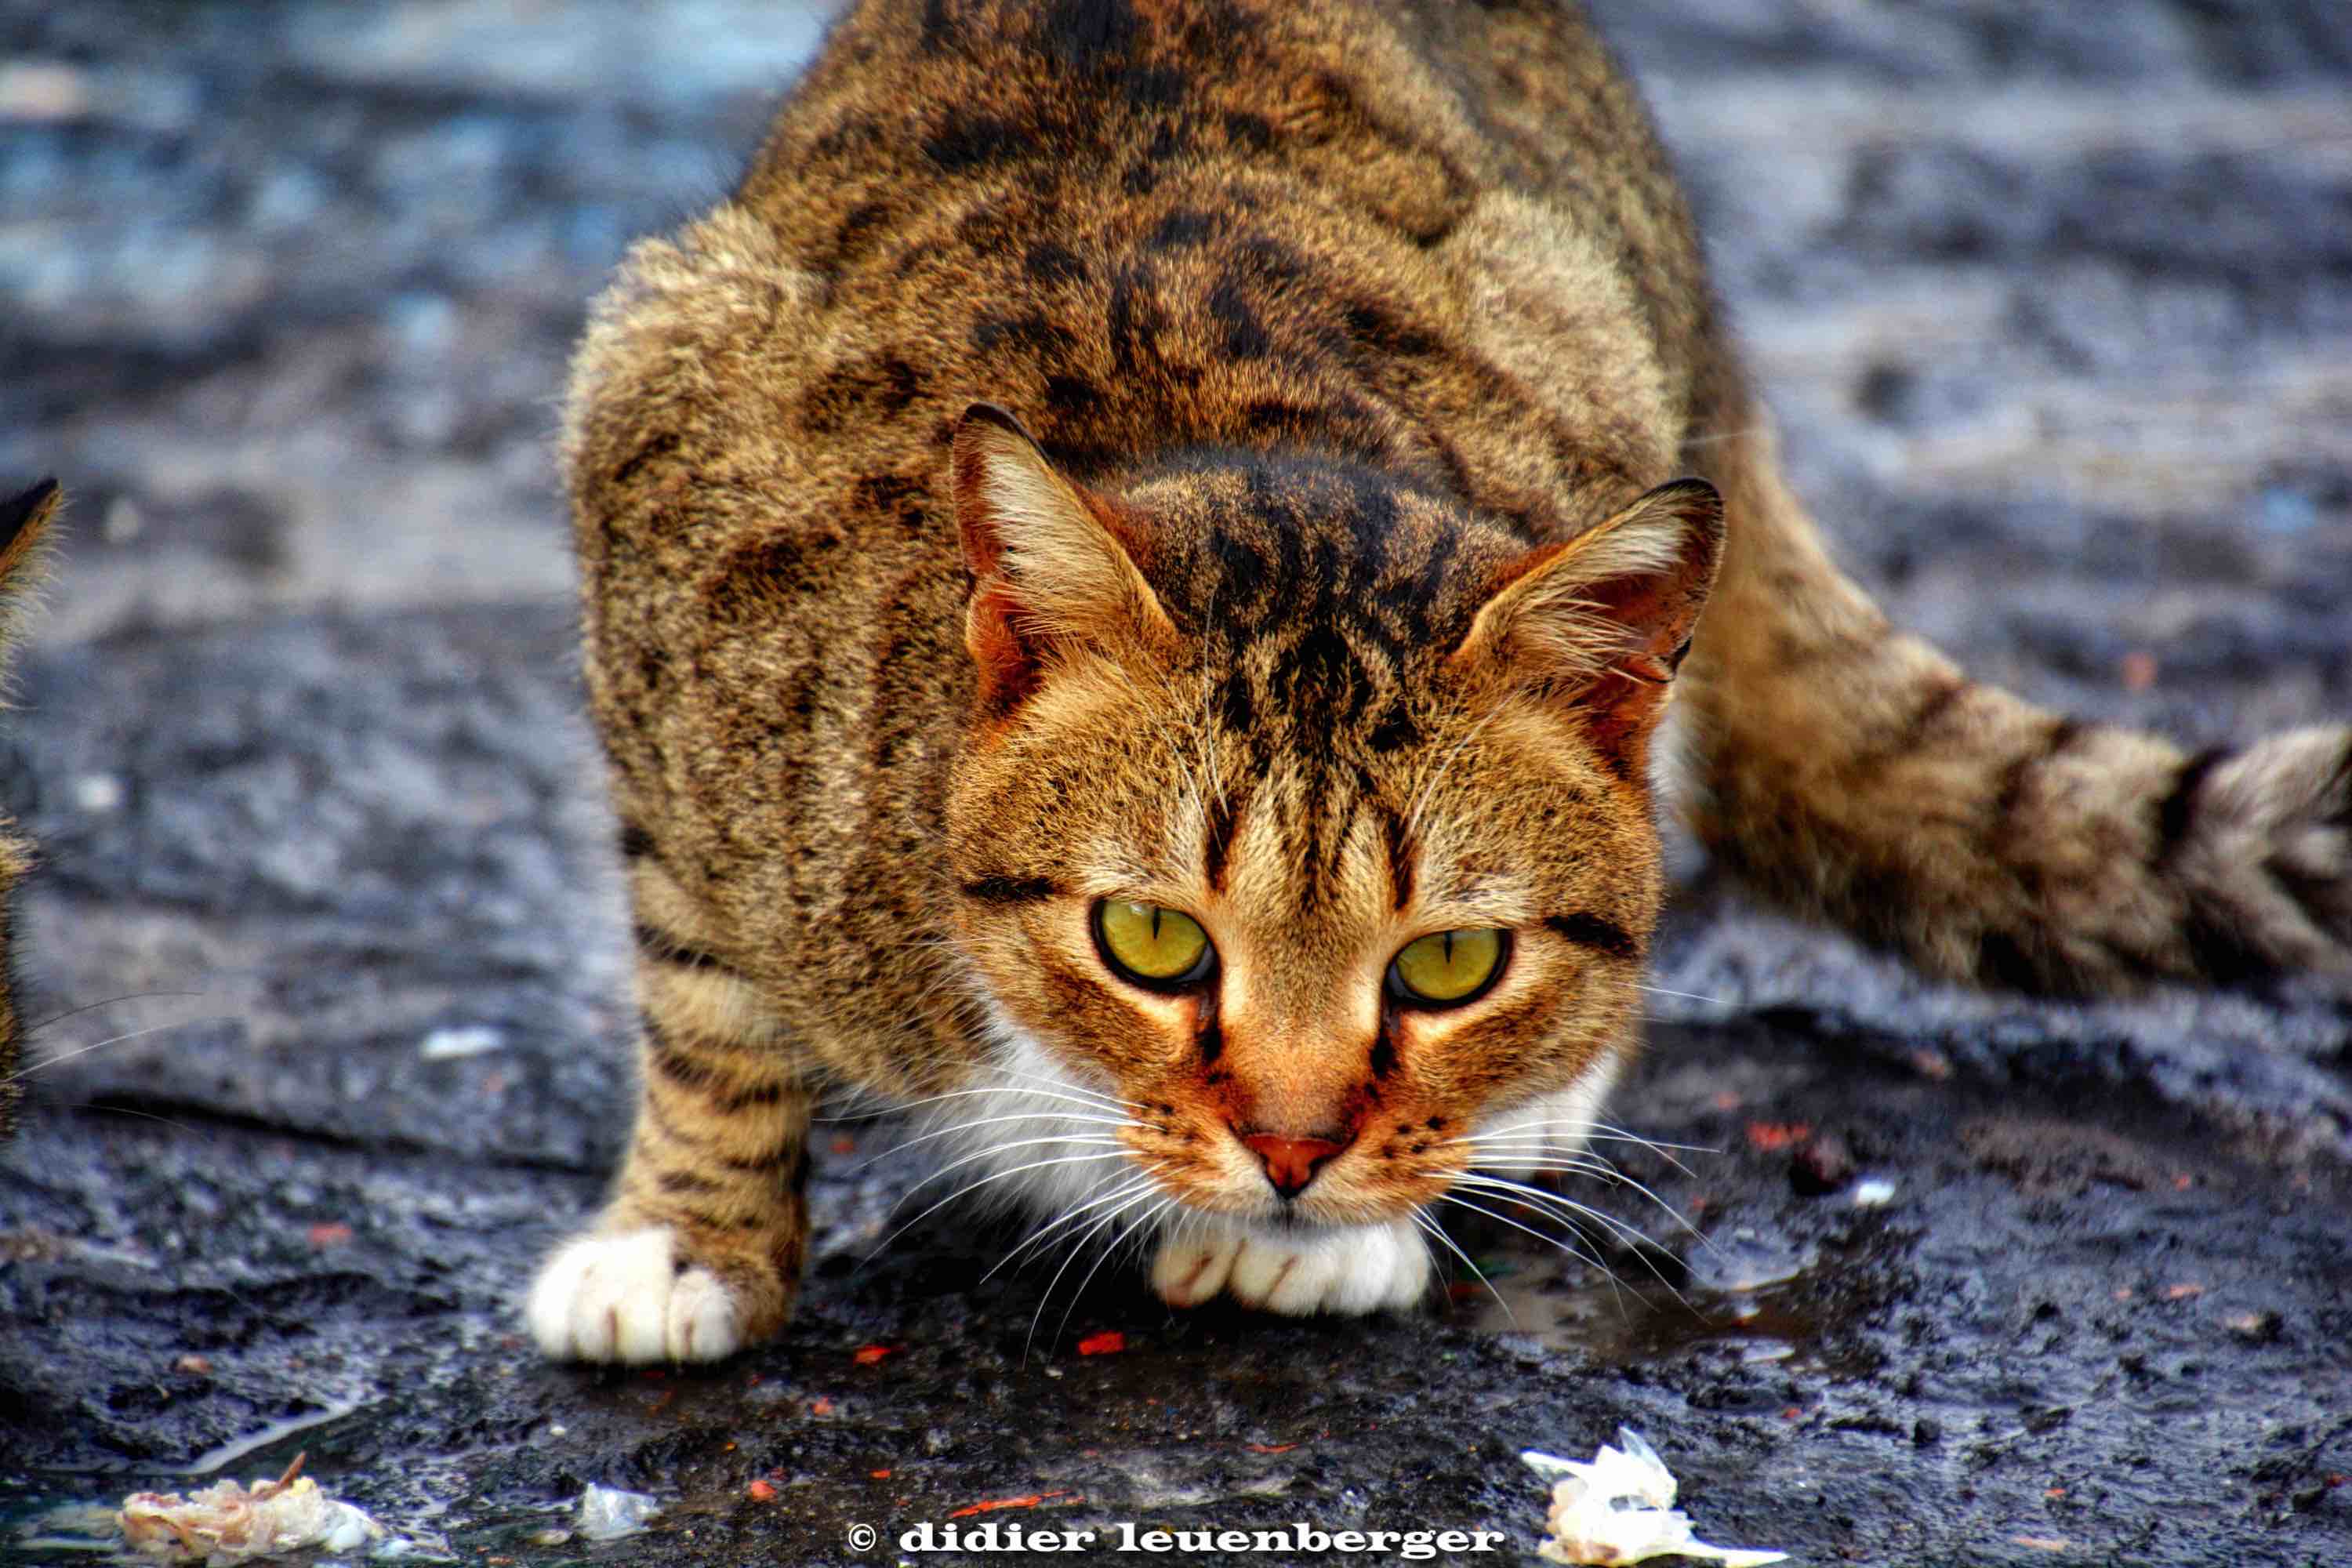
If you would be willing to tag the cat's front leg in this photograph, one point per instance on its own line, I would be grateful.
(699, 1250)
(1343, 1269)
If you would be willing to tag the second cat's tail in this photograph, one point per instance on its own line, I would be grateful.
(1852, 772)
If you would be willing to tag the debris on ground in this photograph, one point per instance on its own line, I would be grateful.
(1618, 1507)
(1820, 1163)
(608, 1513)
(228, 1523)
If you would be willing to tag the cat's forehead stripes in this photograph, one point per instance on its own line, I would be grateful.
(1324, 592)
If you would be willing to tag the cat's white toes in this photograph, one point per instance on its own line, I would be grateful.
(1389, 1269)
(622, 1297)
(1350, 1271)
(1193, 1268)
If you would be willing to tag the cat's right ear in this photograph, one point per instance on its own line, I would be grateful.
(1053, 566)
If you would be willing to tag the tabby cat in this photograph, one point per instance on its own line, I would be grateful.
(1137, 591)
(24, 525)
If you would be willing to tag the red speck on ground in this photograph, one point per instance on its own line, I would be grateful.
(329, 1233)
(821, 1407)
(1931, 1064)
(877, 1475)
(1271, 1448)
(1792, 1413)
(1725, 1099)
(844, 1145)
(867, 1355)
(762, 1491)
(2139, 670)
(1031, 1501)
(2054, 1494)
(1110, 1341)
(2182, 1292)
(1771, 1135)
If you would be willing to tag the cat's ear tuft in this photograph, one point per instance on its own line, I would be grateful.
(24, 521)
(1602, 621)
(1053, 568)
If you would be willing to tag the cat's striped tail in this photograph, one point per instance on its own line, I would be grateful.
(1852, 772)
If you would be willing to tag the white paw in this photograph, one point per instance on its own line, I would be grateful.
(621, 1297)
(1349, 1270)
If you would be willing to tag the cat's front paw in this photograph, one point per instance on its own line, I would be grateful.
(1348, 1270)
(627, 1296)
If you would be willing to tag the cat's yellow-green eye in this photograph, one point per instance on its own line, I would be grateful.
(1162, 949)
(1447, 967)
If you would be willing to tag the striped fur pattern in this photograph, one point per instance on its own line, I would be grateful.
(24, 523)
(1266, 461)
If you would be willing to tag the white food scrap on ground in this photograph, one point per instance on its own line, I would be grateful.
(227, 1524)
(1873, 1194)
(1618, 1507)
(607, 1513)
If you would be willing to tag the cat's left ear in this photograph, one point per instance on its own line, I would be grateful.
(1051, 568)
(1601, 622)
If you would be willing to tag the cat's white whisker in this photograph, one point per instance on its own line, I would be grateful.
(48, 1062)
(1663, 1151)
(1536, 1160)
(1536, 1197)
(35, 1026)
(951, 1131)
(1139, 1228)
(1568, 1211)
(962, 1094)
(984, 1181)
(1043, 1233)
(1615, 1177)
(1551, 1241)
(1077, 1247)
(1686, 996)
(991, 1151)
(1428, 1226)
(1065, 1085)
(1585, 1131)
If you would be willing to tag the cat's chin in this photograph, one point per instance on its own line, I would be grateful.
(1293, 1269)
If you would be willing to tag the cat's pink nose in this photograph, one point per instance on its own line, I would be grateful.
(1291, 1162)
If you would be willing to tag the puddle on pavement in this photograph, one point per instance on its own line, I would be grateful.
(1742, 1290)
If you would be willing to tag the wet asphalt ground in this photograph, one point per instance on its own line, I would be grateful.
(2055, 306)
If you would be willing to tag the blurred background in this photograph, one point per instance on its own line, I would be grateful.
(286, 287)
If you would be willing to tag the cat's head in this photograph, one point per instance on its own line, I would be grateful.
(1306, 813)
